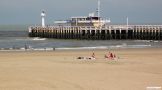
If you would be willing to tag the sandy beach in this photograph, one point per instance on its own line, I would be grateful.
(135, 69)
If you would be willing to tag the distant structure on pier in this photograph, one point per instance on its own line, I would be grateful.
(94, 27)
(43, 18)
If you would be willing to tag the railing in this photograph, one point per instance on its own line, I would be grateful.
(112, 27)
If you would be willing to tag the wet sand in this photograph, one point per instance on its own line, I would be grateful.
(135, 69)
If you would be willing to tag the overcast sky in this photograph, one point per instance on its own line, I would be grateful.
(28, 11)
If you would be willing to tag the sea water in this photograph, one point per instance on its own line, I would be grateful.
(16, 37)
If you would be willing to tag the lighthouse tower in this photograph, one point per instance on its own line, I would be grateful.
(43, 18)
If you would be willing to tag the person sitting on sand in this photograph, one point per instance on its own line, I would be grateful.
(106, 56)
(114, 56)
(93, 55)
(110, 56)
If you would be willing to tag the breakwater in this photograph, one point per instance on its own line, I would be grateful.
(108, 32)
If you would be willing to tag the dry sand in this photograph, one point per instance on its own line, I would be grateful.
(60, 70)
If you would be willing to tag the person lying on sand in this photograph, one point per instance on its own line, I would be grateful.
(90, 58)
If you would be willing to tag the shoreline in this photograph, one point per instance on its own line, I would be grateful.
(76, 48)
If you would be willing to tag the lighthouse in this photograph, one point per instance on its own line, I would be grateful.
(43, 18)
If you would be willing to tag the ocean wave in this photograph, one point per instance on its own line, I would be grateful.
(130, 46)
(77, 48)
(104, 47)
(38, 39)
(124, 45)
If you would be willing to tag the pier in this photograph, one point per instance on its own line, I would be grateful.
(94, 27)
(107, 32)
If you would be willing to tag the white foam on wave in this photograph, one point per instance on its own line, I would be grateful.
(147, 41)
(124, 45)
(38, 39)
(82, 48)
(142, 40)
(32, 39)
(141, 45)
